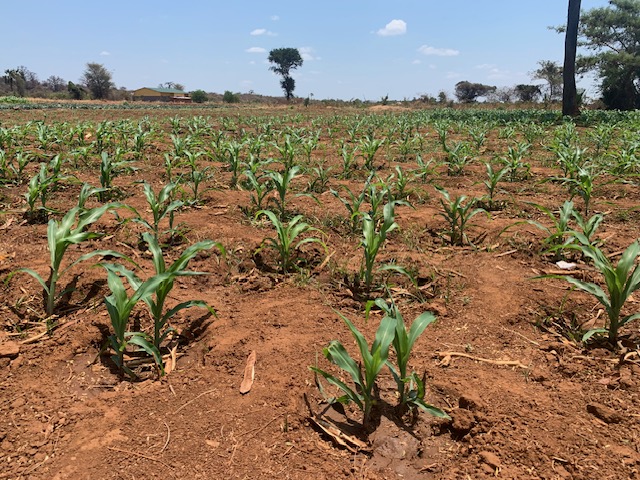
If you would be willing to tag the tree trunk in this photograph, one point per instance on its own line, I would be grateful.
(569, 92)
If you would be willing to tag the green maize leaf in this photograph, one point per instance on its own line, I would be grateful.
(337, 354)
(362, 344)
(593, 332)
(592, 289)
(633, 283)
(191, 251)
(188, 304)
(629, 318)
(627, 260)
(156, 252)
(403, 342)
(31, 272)
(141, 340)
(350, 395)
(430, 409)
(96, 253)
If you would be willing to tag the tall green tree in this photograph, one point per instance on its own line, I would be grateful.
(569, 90)
(612, 35)
(284, 60)
(469, 92)
(15, 79)
(550, 72)
(97, 79)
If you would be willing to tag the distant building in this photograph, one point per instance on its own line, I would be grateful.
(161, 95)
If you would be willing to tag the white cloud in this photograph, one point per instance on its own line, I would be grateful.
(496, 73)
(439, 52)
(275, 18)
(262, 31)
(307, 54)
(416, 62)
(104, 53)
(256, 50)
(394, 27)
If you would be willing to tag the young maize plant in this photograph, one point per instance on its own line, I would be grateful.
(319, 178)
(369, 146)
(458, 157)
(493, 177)
(425, 169)
(457, 214)
(411, 390)
(231, 152)
(161, 206)
(281, 183)
(119, 307)
(620, 281)
(515, 167)
(348, 158)
(155, 296)
(371, 242)
(38, 189)
(60, 236)
(285, 240)
(353, 205)
(582, 184)
(363, 373)
(110, 168)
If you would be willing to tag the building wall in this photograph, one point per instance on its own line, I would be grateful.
(148, 95)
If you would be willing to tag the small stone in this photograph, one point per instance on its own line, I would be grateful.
(490, 459)
(470, 401)
(561, 471)
(18, 402)
(9, 349)
(463, 420)
(39, 457)
(487, 469)
(604, 413)
(213, 443)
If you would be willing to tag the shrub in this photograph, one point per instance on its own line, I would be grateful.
(230, 97)
(199, 96)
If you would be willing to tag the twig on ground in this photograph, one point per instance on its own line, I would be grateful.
(141, 455)
(194, 399)
(447, 357)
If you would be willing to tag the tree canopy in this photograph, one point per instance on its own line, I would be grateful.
(469, 92)
(550, 72)
(284, 60)
(612, 35)
(97, 79)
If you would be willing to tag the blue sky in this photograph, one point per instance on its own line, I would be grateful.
(351, 49)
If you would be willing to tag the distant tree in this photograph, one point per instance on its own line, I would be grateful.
(97, 79)
(15, 79)
(199, 96)
(172, 85)
(442, 97)
(501, 95)
(468, 92)
(76, 91)
(284, 60)
(54, 83)
(527, 93)
(30, 78)
(569, 90)
(230, 97)
(612, 33)
(550, 72)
